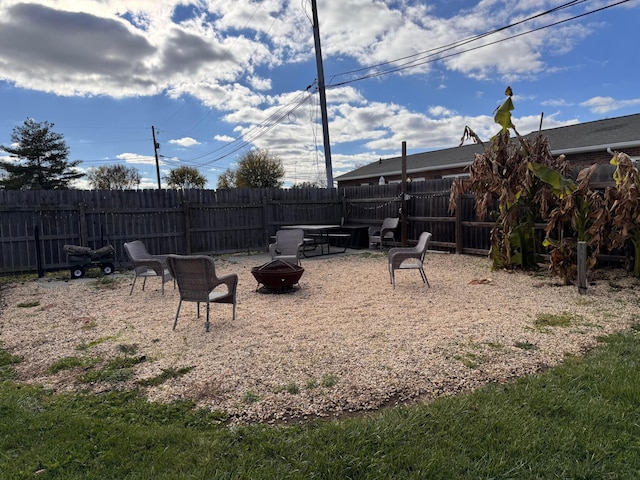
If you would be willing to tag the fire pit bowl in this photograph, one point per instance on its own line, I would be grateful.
(277, 276)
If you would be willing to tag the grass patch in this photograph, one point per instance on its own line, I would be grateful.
(87, 345)
(69, 363)
(291, 388)
(545, 320)
(469, 360)
(7, 362)
(250, 397)
(118, 369)
(578, 420)
(328, 381)
(526, 345)
(167, 374)
(106, 282)
(32, 304)
(128, 349)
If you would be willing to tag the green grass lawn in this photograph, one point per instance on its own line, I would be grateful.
(580, 420)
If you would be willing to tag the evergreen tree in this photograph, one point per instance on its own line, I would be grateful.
(41, 159)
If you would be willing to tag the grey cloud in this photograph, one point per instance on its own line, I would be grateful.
(36, 38)
(187, 53)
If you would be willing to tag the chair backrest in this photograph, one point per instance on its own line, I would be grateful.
(288, 241)
(390, 223)
(423, 243)
(194, 274)
(136, 250)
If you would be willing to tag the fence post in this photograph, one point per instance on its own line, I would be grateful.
(186, 212)
(265, 220)
(82, 220)
(458, 227)
(582, 267)
(36, 237)
(403, 189)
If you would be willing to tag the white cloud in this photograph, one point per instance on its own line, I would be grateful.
(440, 111)
(603, 105)
(184, 142)
(556, 102)
(223, 138)
(137, 159)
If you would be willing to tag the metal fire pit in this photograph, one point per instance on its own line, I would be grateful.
(277, 276)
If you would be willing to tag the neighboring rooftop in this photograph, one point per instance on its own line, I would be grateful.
(615, 133)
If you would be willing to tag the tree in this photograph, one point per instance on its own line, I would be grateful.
(114, 177)
(42, 159)
(256, 169)
(306, 185)
(185, 177)
(227, 179)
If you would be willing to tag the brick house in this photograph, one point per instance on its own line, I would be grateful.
(583, 144)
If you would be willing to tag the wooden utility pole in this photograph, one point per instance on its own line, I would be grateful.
(403, 212)
(156, 145)
(323, 97)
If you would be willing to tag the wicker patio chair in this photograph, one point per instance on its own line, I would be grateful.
(405, 258)
(147, 265)
(377, 235)
(288, 246)
(197, 282)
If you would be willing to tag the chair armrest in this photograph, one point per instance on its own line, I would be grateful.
(157, 265)
(398, 255)
(230, 280)
(273, 248)
(384, 231)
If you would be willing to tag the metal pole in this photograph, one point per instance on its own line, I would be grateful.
(155, 151)
(323, 98)
(403, 215)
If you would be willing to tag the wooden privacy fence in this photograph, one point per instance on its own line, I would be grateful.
(35, 225)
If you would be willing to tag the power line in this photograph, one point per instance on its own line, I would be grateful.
(424, 59)
(421, 58)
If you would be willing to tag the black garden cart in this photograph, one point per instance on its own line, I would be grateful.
(82, 258)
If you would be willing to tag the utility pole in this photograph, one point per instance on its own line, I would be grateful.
(323, 97)
(156, 145)
(403, 210)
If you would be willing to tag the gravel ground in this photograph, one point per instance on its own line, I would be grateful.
(345, 342)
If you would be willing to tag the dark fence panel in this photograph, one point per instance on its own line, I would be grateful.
(223, 221)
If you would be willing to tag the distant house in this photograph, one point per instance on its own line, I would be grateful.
(583, 144)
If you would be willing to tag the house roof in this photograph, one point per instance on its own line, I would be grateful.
(615, 133)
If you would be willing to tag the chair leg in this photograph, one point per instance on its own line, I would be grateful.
(144, 282)
(393, 276)
(133, 285)
(206, 324)
(234, 311)
(177, 313)
(424, 277)
(198, 303)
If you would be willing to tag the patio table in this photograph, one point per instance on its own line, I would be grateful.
(321, 235)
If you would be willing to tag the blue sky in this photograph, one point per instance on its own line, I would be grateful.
(216, 78)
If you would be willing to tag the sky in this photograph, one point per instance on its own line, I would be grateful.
(214, 79)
